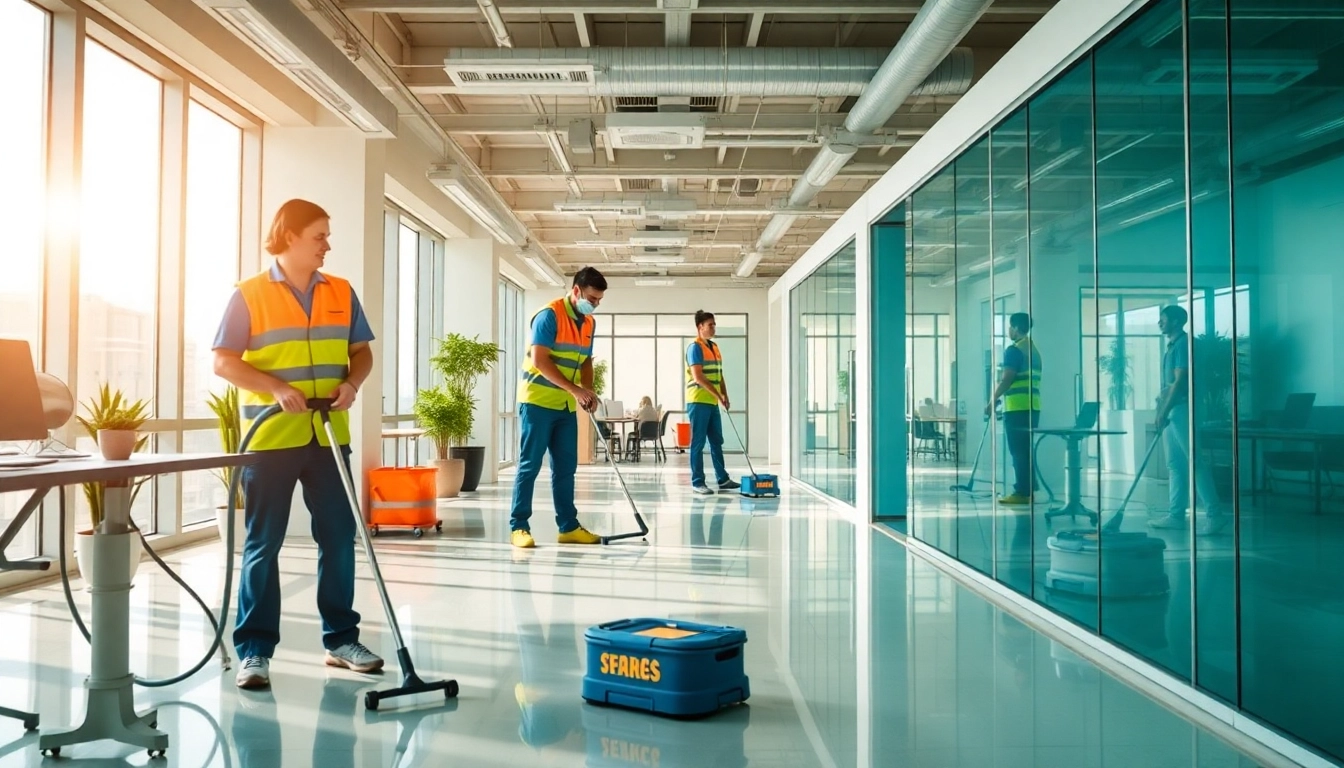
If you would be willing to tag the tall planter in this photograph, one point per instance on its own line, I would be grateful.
(474, 456)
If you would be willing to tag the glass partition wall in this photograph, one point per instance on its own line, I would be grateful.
(1159, 229)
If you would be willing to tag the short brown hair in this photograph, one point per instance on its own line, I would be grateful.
(292, 218)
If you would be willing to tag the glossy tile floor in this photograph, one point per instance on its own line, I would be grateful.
(930, 675)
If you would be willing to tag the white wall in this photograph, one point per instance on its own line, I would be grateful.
(688, 295)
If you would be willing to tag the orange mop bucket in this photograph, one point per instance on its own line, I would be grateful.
(403, 497)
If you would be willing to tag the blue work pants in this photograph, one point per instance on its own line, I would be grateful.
(546, 429)
(706, 425)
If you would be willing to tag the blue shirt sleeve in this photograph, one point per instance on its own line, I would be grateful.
(544, 329)
(360, 332)
(235, 330)
(1013, 358)
(1180, 357)
(695, 355)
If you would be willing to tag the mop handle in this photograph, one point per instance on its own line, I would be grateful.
(738, 435)
(592, 416)
(322, 405)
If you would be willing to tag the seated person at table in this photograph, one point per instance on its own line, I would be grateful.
(646, 410)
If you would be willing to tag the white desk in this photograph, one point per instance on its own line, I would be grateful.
(110, 704)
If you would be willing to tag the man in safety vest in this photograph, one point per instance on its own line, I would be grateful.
(1020, 388)
(705, 392)
(289, 334)
(557, 380)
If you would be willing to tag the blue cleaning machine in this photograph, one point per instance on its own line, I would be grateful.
(754, 485)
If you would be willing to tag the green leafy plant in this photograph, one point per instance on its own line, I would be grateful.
(446, 416)
(460, 361)
(600, 368)
(1213, 375)
(1118, 368)
(230, 420)
(111, 410)
(842, 383)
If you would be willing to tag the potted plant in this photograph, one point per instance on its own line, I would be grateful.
(230, 422)
(600, 378)
(1117, 367)
(445, 415)
(460, 361)
(112, 417)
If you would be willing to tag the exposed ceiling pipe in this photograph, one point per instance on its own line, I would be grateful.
(498, 28)
(938, 26)
(822, 72)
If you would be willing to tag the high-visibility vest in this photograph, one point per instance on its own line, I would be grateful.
(573, 342)
(308, 352)
(1024, 394)
(713, 370)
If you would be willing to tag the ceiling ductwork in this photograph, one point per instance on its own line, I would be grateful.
(703, 72)
(931, 37)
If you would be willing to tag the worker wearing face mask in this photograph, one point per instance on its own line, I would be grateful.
(557, 380)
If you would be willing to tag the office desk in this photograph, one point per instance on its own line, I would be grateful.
(110, 704)
(1073, 470)
(1255, 434)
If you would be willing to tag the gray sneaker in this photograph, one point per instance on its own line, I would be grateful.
(254, 673)
(354, 657)
(1173, 522)
(703, 490)
(1211, 525)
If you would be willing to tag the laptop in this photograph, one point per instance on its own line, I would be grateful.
(22, 417)
(1087, 416)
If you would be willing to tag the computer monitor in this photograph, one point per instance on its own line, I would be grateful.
(1297, 410)
(21, 413)
(1087, 415)
(613, 409)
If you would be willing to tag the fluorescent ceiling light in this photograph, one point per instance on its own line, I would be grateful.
(650, 282)
(1126, 147)
(663, 259)
(1136, 194)
(660, 238)
(283, 34)
(1312, 133)
(454, 183)
(542, 269)
(829, 162)
(748, 264)
(1049, 167)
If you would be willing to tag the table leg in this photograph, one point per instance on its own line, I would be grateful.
(109, 711)
(1073, 486)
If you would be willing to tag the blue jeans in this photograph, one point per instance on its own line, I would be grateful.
(706, 423)
(1177, 443)
(268, 487)
(545, 429)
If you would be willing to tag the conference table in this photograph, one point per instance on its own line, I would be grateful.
(109, 703)
(1316, 439)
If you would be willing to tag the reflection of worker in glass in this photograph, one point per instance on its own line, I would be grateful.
(1173, 413)
(705, 392)
(1020, 388)
(549, 667)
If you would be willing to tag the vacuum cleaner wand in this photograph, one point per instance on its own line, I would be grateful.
(643, 528)
(410, 681)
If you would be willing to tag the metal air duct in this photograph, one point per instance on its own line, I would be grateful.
(821, 72)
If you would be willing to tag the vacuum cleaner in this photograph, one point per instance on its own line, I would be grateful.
(754, 485)
(643, 531)
(1109, 561)
(411, 682)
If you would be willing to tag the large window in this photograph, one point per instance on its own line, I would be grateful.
(513, 331)
(646, 355)
(413, 264)
(1170, 201)
(823, 414)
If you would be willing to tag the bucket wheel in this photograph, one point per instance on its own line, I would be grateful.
(373, 530)
(417, 532)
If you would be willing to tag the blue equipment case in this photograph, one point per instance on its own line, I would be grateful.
(676, 668)
(619, 738)
(757, 486)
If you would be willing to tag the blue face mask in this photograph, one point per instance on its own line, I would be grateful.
(584, 306)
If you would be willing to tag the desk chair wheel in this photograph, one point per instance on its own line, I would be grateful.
(371, 701)
(53, 752)
(30, 724)
(157, 754)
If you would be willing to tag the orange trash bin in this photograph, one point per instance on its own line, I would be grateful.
(403, 497)
(683, 435)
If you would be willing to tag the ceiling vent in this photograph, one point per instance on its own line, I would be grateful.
(640, 185)
(1262, 76)
(656, 131)
(592, 207)
(667, 103)
(521, 77)
(747, 187)
(660, 238)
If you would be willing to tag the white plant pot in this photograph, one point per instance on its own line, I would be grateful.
(116, 444)
(239, 527)
(84, 553)
(451, 474)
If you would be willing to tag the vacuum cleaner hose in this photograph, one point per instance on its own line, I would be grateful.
(217, 623)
